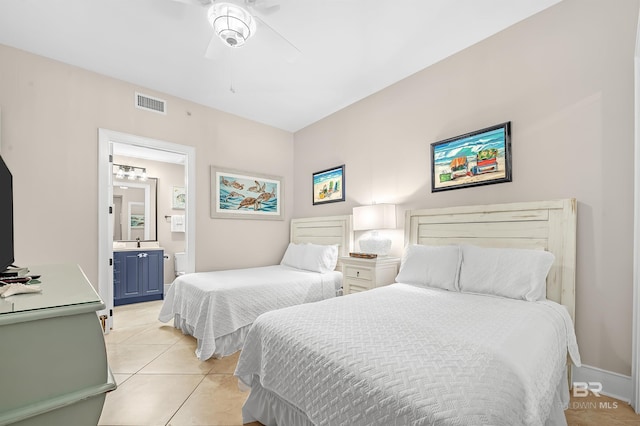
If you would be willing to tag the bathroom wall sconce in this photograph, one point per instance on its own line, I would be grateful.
(122, 171)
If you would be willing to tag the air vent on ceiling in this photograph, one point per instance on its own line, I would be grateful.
(150, 103)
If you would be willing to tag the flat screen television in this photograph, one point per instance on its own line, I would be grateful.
(6, 217)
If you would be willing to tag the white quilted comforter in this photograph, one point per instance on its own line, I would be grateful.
(215, 304)
(403, 355)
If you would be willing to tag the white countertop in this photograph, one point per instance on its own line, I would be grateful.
(135, 245)
(138, 249)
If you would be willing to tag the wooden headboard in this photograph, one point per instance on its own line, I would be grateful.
(324, 230)
(544, 225)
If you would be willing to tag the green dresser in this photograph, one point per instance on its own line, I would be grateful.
(53, 360)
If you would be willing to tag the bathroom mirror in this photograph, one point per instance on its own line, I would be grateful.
(135, 210)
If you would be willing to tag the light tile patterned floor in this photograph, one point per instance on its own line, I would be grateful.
(160, 380)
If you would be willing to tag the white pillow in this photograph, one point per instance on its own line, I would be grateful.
(311, 257)
(293, 256)
(430, 266)
(320, 258)
(506, 272)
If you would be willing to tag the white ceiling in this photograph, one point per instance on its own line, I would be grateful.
(349, 49)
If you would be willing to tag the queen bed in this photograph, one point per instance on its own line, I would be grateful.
(476, 331)
(218, 307)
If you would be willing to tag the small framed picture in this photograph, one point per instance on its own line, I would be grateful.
(476, 158)
(178, 198)
(328, 186)
(137, 221)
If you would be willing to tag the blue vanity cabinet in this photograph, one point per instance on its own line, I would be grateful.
(138, 276)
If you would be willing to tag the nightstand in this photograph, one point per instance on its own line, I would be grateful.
(365, 274)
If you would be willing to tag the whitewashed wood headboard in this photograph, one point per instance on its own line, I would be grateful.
(324, 230)
(544, 225)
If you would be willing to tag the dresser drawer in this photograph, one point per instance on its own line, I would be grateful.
(358, 272)
(356, 286)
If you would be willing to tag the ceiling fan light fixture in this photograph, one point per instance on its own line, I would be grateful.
(233, 24)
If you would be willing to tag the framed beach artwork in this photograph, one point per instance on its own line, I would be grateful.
(243, 195)
(328, 186)
(178, 198)
(476, 158)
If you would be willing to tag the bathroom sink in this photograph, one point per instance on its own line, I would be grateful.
(133, 245)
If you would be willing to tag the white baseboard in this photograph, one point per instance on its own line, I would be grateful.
(615, 385)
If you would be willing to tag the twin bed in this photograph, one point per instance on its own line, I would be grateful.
(218, 307)
(476, 331)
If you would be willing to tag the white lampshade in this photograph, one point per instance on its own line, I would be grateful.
(374, 217)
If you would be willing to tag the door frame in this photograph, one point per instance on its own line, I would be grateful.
(635, 346)
(106, 138)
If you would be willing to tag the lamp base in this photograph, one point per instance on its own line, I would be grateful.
(375, 245)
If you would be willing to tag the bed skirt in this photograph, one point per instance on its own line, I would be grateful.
(225, 345)
(269, 409)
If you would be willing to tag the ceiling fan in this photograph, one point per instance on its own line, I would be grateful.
(236, 21)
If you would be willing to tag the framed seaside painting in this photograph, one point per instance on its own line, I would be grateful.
(243, 195)
(328, 186)
(476, 158)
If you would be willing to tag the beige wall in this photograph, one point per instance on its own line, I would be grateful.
(564, 78)
(51, 113)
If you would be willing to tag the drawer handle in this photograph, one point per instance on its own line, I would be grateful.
(141, 255)
(357, 273)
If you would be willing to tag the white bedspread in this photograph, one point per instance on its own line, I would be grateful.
(403, 355)
(214, 304)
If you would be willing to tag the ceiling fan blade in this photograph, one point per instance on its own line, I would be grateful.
(196, 2)
(288, 50)
(263, 7)
(269, 10)
(215, 48)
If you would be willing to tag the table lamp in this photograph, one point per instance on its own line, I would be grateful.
(373, 218)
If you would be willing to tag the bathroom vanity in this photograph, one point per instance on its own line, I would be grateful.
(138, 275)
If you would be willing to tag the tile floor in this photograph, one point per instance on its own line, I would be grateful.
(160, 381)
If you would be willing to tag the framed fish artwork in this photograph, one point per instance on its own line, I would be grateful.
(243, 195)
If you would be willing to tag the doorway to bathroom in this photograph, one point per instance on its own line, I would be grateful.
(164, 212)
